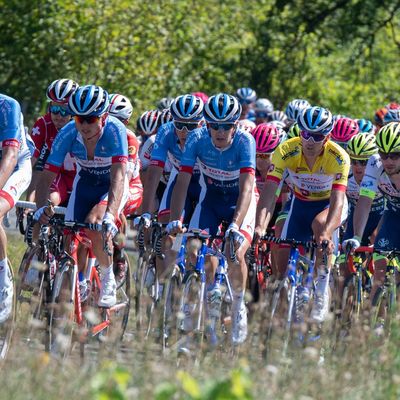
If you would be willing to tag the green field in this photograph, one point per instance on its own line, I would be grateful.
(360, 368)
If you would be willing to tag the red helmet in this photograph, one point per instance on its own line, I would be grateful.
(267, 137)
(393, 106)
(344, 129)
(202, 95)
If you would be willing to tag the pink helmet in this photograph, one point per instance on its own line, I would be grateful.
(344, 129)
(267, 137)
(202, 95)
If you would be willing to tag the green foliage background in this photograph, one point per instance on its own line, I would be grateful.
(342, 54)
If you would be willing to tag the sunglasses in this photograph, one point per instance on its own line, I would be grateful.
(315, 137)
(89, 119)
(217, 127)
(392, 156)
(59, 110)
(363, 163)
(264, 156)
(190, 126)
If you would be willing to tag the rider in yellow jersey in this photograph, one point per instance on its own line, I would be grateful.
(318, 170)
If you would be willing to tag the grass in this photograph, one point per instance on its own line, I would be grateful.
(362, 367)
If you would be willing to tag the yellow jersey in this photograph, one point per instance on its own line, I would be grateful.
(329, 172)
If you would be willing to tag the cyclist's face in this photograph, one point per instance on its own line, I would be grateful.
(263, 162)
(312, 148)
(358, 171)
(222, 138)
(58, 120)
(90, 129)
(391, 166)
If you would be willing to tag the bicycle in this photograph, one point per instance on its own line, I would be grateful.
(384, 302)
(67, 311)
(186, 318)
(292, 295)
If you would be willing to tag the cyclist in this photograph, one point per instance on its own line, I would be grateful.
(247, 97)
(201, 95)
(226, 156)
(121, 108)
(100, 147)
(262, 108)
(280, 116)
(43, 134)
(379, 116)
(343, 130)
(360, 148)
(383, 174)
(15, 176)
(318, 171)
(365, 125)
(293, 109)
(187, 113)
(164, 103)
(392, 115)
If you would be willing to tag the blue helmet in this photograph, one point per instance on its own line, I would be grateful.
(187, 107)
(294, 107)
(315, 120)
(365, 125)
(222, 107)
(90, 100)
(246, 95)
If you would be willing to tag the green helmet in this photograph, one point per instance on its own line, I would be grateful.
(294, 131)
(388, 138)
(362, 146)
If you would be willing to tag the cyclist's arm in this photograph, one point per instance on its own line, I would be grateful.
(43, 187)
(8, 162)
(361, 213)
(151, 181)
(179, 195)
(246, 187)
(117, 179)
(266, 204)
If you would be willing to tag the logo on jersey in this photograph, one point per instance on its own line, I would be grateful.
(383, 242)
(132, 150)
(35, 131)
(338, 176)
(271, 167)
(292, 153)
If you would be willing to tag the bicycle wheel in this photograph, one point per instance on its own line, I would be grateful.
(384, 307)
(32, 296)
(191, 323)
(171, 309)
(349, 301)
(62, 310)
(147, 298)
(7, 327)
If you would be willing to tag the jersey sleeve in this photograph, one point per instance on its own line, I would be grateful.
(160, 148)
(247, 146)
(190, 153)
(369, 184)
(10, 124)
(145, 152)
(119, 141)
(61, 146)
(38, 135)
(133, 147)
(277, 166)
(340, 168)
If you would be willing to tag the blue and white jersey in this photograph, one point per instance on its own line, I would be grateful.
(12, 131)
(167, 145)
(111, 148)
(220, 169)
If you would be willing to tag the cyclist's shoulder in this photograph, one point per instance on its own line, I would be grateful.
(335, 155)
(7, 102)
(289, 150)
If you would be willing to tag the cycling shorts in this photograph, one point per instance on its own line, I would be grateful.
(214, 208)
(85, 196)
(388, 237)
(17, 183)
(191, 201)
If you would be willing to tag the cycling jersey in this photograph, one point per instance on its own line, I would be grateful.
(43, 134)
(12, 131)
(133, 157)
(220, 173)
(375, 179)
(329, 172)
(220, 169)
(111, 148)
(12, 134)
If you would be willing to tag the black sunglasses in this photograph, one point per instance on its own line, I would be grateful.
(217, 126)
(392, 156)
(190, 126)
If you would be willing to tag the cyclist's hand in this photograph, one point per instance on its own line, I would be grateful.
(324, 237)
(42, 215)
(234, 233)
(109, 226)
(351, 244)
(258, 233)
(174, 227)
(146, 218)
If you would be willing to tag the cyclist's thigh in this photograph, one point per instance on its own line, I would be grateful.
(388, 237)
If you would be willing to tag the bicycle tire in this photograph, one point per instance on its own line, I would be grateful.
(191, 325)
(62, 310)
(171, 307)
(7, 327)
